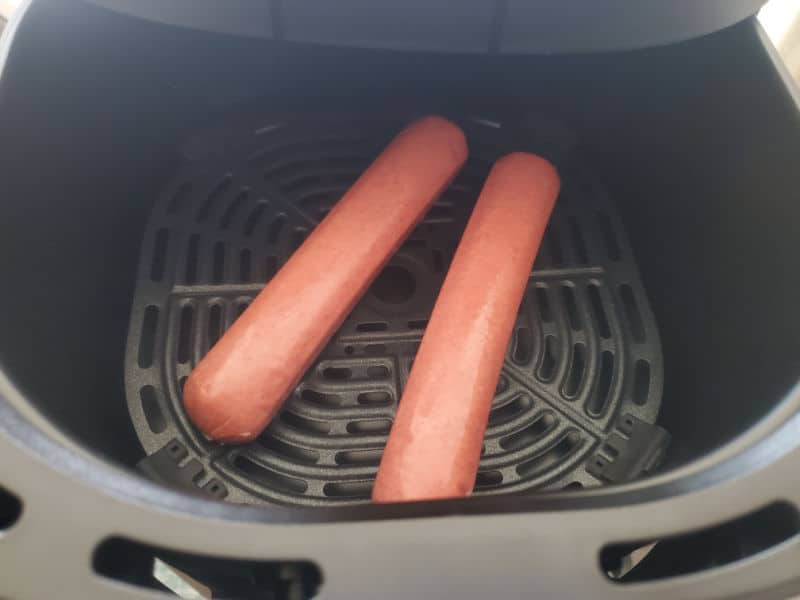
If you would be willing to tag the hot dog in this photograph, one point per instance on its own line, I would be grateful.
(241, 383)
(434, 445)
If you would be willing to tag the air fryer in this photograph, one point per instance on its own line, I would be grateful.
(156, 174)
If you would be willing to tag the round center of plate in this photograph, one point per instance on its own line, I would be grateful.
(394, 285)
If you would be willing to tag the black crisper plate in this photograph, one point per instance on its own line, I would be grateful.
(581, 385)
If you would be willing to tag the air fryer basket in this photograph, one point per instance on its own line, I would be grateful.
(581, 386)
(689, 148)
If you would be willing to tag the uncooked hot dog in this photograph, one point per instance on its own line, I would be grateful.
(241, 383)
(435, 442)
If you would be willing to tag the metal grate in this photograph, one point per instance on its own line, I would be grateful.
(585, 354)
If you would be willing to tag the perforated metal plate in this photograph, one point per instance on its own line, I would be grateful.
(582, 380)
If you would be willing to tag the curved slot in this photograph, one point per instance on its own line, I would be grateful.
(191, 259)
(252, 220)
(578, 241)
(148, 337)
(600, 317)
(270, 267)
(152, 409)
(337, 373)
(370, 427)
(641, 382)
(233, 208)
(598, 402)
(551, 457)
(298, 237)
(359, 457)
(375, 398)
(712, 547)
(632, 313)
(321, 399)
(241, 308)
(290, 451)
(574, 317)
(305, 425)
(549, 363)
(609, 236)
(185, 334)
(372, 327)
(315, 183)
(294, 160)
(267, 477)
(576, 371)
(348, 489)
(205, 209)
(214, 324)
(316, 201)
(377, 372)
(275, 228)
(159, 254)
(485, 479)
(543, 305)
(510, 410)
(245, 268)
(219, 262)
(160, 570)
(178, 200)
(523, 346)
(530, 434)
